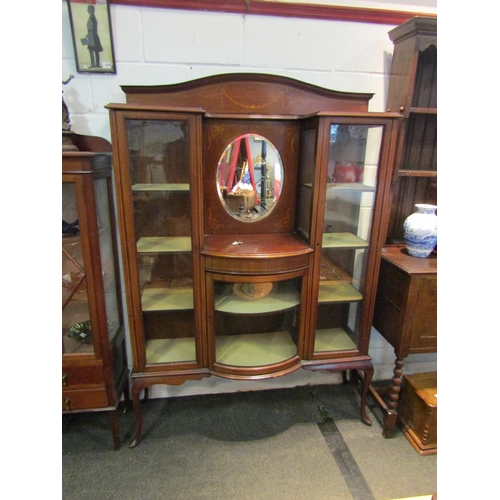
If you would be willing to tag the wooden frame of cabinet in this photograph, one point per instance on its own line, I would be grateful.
(176, 135)
(94, 365)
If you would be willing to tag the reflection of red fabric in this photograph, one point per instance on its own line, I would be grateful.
(347, 171)
(277, 187)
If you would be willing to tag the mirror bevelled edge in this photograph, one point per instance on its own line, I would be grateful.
(249, 177)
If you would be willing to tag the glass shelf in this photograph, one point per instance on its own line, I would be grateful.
(164, 244)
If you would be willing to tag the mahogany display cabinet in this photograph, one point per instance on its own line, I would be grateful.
(251, 210)
(94, 366)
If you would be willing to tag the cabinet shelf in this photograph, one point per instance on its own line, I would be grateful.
(333, 339)
(424, 111)
(138, 188)
(167, 299)
(417, 173)
(170, 350)
(164, 244)
(349, 186)
(337, 292)
(255, 349)
(283, 297)
(343, 240)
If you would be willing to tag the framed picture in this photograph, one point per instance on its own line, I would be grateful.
(92, 36)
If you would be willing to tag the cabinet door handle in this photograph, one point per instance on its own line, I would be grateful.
(64, 379)
(67, 402)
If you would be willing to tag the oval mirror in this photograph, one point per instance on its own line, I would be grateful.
(249, 177)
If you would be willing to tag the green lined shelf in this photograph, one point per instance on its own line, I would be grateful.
(333, 339)
(283, 296)
(170, 350)
(343, 240)
(139, 188)
(337, 292)
(167, 299)
(164, 244)
(254, 349)
(349, 186)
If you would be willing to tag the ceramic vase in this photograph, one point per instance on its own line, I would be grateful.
(420, 231)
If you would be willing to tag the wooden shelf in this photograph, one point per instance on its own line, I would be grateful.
(170, 350)
(417, 173)
(333, 339)
(330, 291)
(343, 240)
(167, 299)
(283, 296)
(424, 111)
(254, 349)
(136, 188)
(164, 244)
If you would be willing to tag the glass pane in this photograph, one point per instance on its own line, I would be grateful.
(159, 156)
(307, 172)
(111, 291)
(256, 323)
(350, 196)
(76, 327)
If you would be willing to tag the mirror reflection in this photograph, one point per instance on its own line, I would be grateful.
(249, 177)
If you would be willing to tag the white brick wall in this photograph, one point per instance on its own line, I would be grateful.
(161, 46)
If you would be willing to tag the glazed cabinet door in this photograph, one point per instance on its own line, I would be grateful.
(76, 319)
(255, 322)
(344, 181)
(89, 271)
(158, 195)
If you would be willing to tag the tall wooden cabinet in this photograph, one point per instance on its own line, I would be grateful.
(413, 93)
(250, 209)
(406, 303)
(94, 367)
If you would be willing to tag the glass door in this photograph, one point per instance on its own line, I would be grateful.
(160, 190)
(255, 321)
(344, 190)
(76, 324)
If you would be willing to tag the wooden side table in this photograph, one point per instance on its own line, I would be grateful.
(405, 315)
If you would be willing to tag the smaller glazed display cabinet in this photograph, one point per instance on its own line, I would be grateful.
(94, 368)
(250, 210)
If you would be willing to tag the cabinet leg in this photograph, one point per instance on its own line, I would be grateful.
(390, 418)
(367, 379)
(136, 401)
(115, 428)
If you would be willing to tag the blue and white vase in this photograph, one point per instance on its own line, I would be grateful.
(420, 231)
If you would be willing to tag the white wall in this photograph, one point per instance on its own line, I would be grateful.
(162, 46)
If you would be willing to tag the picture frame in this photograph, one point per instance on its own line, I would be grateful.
(92, 35)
